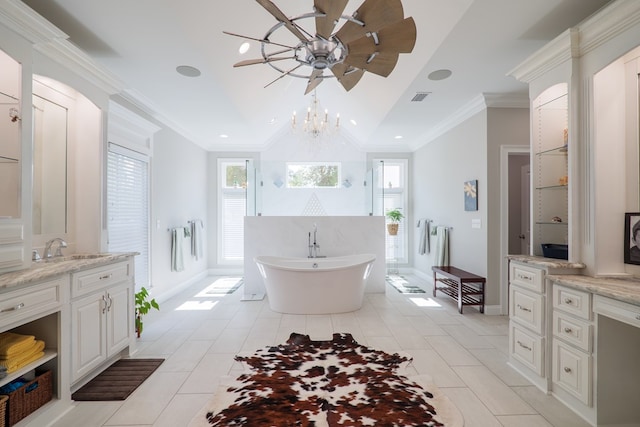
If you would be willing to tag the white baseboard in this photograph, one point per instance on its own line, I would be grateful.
(228, 271)
(176, 289)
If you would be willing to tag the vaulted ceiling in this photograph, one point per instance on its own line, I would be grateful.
(142, 42)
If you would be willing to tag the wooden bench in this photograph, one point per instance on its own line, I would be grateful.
(466, 288)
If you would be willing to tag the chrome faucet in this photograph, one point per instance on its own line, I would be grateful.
(313, 247)
(47, 248)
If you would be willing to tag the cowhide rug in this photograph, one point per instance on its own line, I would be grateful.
(336, 382)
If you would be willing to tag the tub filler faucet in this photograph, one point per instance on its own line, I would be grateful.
(313, 247)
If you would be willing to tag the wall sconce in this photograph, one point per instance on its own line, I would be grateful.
(346, 183)
(278, 182)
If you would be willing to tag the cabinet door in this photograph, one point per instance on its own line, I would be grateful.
(119, 317)
(88, 332)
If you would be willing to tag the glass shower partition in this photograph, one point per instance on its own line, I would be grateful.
(253, 193)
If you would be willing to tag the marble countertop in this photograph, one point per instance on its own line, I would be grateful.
(625, 289)
(42, 270)
(545, 262)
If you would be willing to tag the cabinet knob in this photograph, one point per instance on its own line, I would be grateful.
(568, 330)
(521, 236)
(638, 317)
(567, 369)
(568, 301)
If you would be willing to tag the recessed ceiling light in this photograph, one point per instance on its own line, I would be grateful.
(273, 121)
(244, 47)
(188, 71)
(223, 135)
(440, 74)
(353, 122)
(398, 137)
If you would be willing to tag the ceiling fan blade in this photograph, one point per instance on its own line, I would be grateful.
(258, 40)
(382, 63)
(346, 75)
(314, 80)
(280, 16)
(375, 14)
(259, 61)
(395, 38)
(398, 37)
(333, 9)
(284, 74)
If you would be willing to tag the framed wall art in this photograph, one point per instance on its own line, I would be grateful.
(632, 238)
(471, 195)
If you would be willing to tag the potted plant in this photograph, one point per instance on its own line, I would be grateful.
(394, 216)
(143, 305)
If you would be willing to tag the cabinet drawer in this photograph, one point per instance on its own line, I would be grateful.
(31, 300)
(572, 371)
(527, 348)
(572, 301)
(526, 308)
(525, 276)
(87, 281)
(574, 331)
(618, 310)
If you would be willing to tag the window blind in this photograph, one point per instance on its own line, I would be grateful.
(233, 212)
(128, 207)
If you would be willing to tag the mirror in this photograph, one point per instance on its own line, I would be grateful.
(49, 166)
(10, 147)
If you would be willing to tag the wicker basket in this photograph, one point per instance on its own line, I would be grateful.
(30, 397)
(393, 229)
(3, 410)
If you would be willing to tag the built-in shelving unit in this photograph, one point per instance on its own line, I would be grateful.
(550, 178)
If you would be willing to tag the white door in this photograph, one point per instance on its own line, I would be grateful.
(525, 203)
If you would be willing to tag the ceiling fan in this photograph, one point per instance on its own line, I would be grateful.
(370, 40)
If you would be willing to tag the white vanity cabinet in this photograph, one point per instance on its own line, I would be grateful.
(572, 348)
(530, 322)
(101, 315)
(527, 308)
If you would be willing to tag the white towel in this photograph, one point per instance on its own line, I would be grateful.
(441, 258)
(177, 244)
(196, 238)
(424, 246)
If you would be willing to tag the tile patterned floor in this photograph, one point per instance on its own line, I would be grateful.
(465, 356)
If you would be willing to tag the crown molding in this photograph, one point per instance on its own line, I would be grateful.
(607, 24)
(472, 108)
(23, 20)
(559, 50)
(499, 100)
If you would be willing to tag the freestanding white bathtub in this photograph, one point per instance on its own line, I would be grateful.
(315, 285)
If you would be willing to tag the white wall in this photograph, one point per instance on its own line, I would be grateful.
(179, 193)
(295, 147)
(505, 126)
(440, 169)
(337, 236)
(469, 151)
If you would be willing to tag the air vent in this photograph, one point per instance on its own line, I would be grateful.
(419, 96)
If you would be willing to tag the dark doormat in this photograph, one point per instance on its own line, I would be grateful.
(118, 381)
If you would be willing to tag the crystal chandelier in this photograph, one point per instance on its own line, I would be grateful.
(315, 123)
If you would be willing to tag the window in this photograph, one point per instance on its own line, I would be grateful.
(394, 173)
(232, 192)
(313, 175)
(128, 207)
